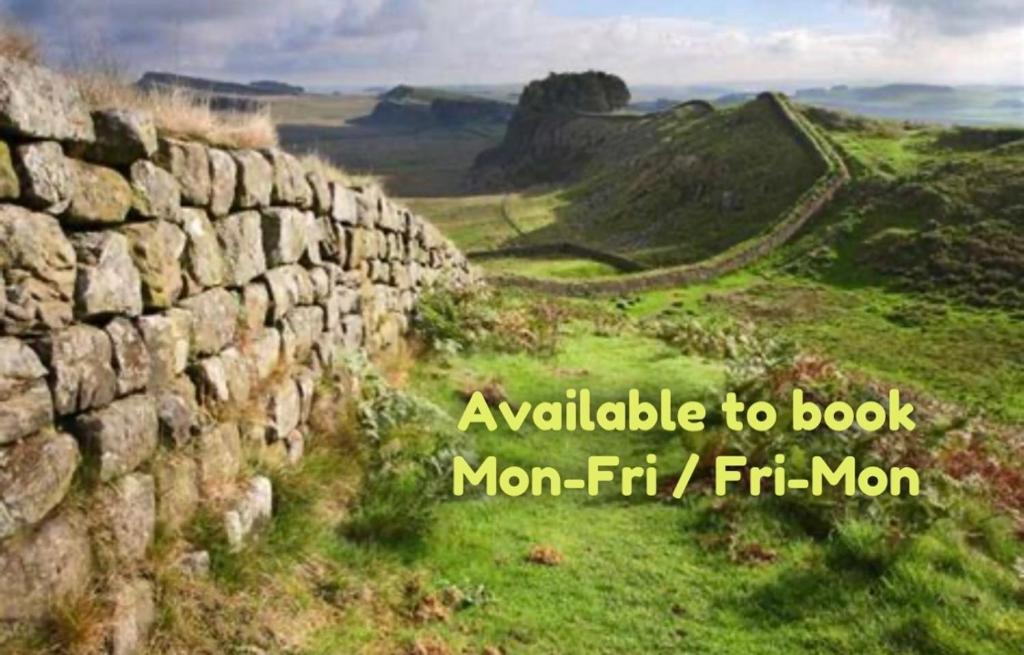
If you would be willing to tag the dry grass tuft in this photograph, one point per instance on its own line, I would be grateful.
(77, 626)
(545, 556)
(18, 43)
(314, 162)
(179, 113)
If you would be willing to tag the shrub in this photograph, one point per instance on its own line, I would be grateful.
(407, 462)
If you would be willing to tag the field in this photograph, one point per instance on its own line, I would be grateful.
(410, 162)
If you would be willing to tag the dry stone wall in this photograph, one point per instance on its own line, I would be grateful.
(166, 310)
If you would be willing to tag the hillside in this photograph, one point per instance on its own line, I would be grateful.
(423, 107)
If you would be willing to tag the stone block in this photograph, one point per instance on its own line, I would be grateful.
(286, 234)
(108, 282)
(125, 514)
(241, 239)
(51, 564)
(168, 339)
(249, 511)
(100, 195)
(40, 104)
(46, 178)
(223, 182)
(26, 405)
(155, 192)
(156, 249)
(131, 356)
(35, 475)
(122, 137)
(255, 180)
(290, 184)
(121, 436)
(214, 320)
(81, 375)
(177, 492)
(132, 618)
(219, 459)
(204, 261)
(189, 163)
(38, 268)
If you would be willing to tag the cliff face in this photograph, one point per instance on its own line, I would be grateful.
(538, 147)
(166, 311)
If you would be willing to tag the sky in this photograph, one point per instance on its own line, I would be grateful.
(346, 43)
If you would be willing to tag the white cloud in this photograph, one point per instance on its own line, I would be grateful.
(423, 41)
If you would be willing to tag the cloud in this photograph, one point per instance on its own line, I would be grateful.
(357, 42)
(954, 17)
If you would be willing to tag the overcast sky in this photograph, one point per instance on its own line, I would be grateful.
(362, 42)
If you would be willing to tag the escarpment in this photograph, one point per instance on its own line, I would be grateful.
(166, 310)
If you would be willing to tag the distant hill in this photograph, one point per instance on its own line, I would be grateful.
(423, 107)
(260, 88)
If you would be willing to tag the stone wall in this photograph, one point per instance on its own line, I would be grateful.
(166, 310)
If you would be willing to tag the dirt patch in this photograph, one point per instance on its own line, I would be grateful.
(545, 556)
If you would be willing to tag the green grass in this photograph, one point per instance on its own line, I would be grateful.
(638, 575)
(480, 222)
(959, 354)
(561, 268)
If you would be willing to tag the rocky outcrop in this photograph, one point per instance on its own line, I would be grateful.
(165, 310)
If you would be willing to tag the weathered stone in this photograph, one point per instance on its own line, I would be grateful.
(219, 457)
(50, 565)
(35, 475)
(352, 327)
(122, 137)
(9, 186)
(344, 208)
(214, 320)
(255, 180)
(380, 271)
(25, 402)
(126, 520)
(305, 379)
(285, 234)
(223, 182)
(255, 305)
(133, 616)
(81, 376)
(253, 509)
(368, 201)
(289, 286)
(195, 564)
(121, 436)
(362, 245)
(155, 192)
(284, 409)
(46, 176)
(131, 357)
(290, 184)
(37, 264)
(99, 196)
(204, 261)
(38, 103)
(322, 202)
(177, 411)
(225, 378)
(177, 492)
(391, 217)
(300, 329)
(156, 249)
(264, 352)
(189, 163)
(321, 281)
(295, 447)
(241, 237)
(108, 282)
(167, 337)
